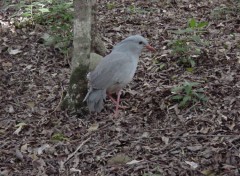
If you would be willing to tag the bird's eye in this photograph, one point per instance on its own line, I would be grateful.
(140, 43)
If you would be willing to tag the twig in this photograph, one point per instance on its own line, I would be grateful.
(60, 101)
(203, 135)
(79, 147)
(170, 143)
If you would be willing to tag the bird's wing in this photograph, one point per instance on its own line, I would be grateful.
(114, 68)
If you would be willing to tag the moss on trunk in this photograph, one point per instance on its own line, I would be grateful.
(85, 40)
(77, 89)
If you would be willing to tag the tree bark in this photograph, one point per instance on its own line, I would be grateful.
(82, 33)
(86, 44)
(81, 54)
(97, 45)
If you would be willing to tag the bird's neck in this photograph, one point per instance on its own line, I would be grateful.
(127, 48)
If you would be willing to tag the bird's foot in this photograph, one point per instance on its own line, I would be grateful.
(122, 107)
(115, 102)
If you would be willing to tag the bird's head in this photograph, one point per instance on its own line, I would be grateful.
(134, 44)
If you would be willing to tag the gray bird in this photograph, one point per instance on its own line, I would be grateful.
(114, 72)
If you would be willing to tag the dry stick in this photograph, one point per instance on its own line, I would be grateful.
(170, 143)
(207, 135)
(60, 101)
(79, 147)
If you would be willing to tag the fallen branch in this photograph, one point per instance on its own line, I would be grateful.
(74, 153)
(60, 101)
(207, 135)
(170, 143)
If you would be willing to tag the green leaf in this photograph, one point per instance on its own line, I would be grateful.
(204, 98)
(192, 23)
(190, 69)
(184, 101)
(110, 6)
(191, 84)
(194, 100)
(184, 60)
(19, 127)
(200, 90)
(180, 49)
(59, 137)
(182, 31)
(44, 10)
(26, 14)
(20, 124)
(200, 96)
(202, 24)
(205, 43)
(192, 62)
(162, 66)
(188, 89)
(177, 97)
(196, 39)
(119, 159)
(198, 51)
(176, 89)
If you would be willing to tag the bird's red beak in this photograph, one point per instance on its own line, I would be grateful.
(150, 48)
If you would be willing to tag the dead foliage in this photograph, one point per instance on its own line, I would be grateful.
(152, 136)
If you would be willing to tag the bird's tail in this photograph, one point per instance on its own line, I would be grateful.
(95, 99)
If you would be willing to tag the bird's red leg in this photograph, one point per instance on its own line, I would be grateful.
(118, 100)
(115, 102)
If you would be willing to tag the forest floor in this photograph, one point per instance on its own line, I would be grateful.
(153, 136)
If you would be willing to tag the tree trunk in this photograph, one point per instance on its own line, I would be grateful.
(97, 45)
(86, 44)
(81, 54)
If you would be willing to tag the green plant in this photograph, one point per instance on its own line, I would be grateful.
(222, 11)
(110, 5)
(55, 15)
(59, 19)
(132, 8)
(59, 137)
(188, 43)
(187, 93)
(138, 10)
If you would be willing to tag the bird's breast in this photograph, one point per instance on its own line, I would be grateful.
(123, 79)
